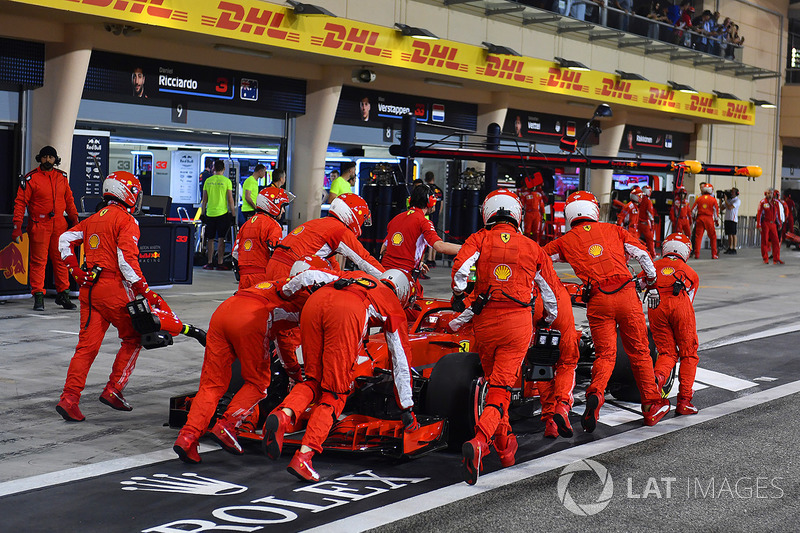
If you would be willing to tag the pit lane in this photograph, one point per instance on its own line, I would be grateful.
(147, 491)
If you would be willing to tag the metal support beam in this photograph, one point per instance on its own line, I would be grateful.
(604, 34)
(708, 61)
(574, 26)
(658, 49)
(490, 11)
(728, 66)
(682, 54)
(539, 19)
(455, 2)
(627, 42)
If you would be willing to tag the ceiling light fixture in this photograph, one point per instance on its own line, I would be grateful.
(763, 103)
(726, 96)
(417, 33)
(571, 65)
(630, 76)
(680, 87)
(245, 51)
(500, 50)
(308, 9)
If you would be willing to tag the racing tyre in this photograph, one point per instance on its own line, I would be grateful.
(450, 394)
(622, 385)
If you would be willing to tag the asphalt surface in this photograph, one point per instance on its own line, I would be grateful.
(740, 300)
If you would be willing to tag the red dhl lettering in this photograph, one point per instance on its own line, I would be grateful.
(150, 7)
(436, 55)
(254, 20)
(702, 104)
(504, 68)
(355, 40)
(661, 97)
(737, 111)
(616, 89)
(565, 79)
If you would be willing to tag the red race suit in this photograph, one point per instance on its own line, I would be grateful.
(407, 235)
(646, 224)
(705, 211)
(628, 218)
(679, 215)
(252, 248)
(768, 219)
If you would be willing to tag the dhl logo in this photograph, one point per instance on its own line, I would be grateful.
(661, 97)
(565, 79)
(506, 68)
(616, 89)
(738, 111)
(254, 20)
(702, 104)
(149, 7)
(355, 40)
(436, 55)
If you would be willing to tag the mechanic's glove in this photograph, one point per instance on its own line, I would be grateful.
(457, 302)
(641, 283)
(653, 298)
(152, 297)
(16, 235)
(409, 420)
(82, 277)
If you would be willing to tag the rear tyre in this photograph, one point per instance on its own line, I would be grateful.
(622, 384)
(450, 394)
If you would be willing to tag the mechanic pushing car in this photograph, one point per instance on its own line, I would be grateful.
(335, 321)
(672, 319)
(647, 220)
(242, 328)
(258, 236)
(508, 267)
(112, 278)
(705, 212)
(597, 252)
(629, 216)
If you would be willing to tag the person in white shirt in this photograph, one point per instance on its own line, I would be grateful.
(732, 204)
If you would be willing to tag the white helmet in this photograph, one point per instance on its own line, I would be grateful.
(646, 190)
(581, 205)
(501, 204)
(677, 244)
(397, 280)
(636, 194)
(706, 188)
(352, 210)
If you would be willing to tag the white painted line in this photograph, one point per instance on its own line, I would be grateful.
(65, 332)
(723, 381)
(765, 378)
(791, 328)
(209, 293)
(46, 317)
(611, 415)
(99, 469)
(431, 500)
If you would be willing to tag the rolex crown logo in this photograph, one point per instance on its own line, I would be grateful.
(190, 483)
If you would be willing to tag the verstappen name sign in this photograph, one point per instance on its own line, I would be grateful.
(254, 21)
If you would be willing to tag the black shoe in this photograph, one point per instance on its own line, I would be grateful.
(38, 301)
(733, 251)
(589, 418)
(423, 276)
(62, 299)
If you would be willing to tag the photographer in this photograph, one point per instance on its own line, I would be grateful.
(732, 203)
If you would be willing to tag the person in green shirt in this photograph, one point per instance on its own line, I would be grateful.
(218, 213)
(250, 192)
(343, 183)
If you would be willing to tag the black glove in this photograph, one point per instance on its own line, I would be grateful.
(409, 420)
(457, 302)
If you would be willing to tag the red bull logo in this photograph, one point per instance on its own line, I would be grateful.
(14, 260)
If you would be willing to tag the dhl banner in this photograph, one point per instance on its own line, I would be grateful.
(253, 21)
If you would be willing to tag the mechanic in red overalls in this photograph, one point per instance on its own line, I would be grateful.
(672, 319)
(259, 235)
(508, 267)
(768, 220)
(45, 193)
(646, 221)
(679, 213)
(705, 212)
(110, 240)
(534, 213)
(241, 328)
(334, 322)
(628, 218)
(598, 252)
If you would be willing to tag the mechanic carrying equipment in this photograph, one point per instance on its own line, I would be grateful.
(241, 328)
(111, 278)
(556, 395)
(705, 212)
(45, 193)
(409, 232)
(508, 267)
(647, 221)
(769, 220)
(597, 252)
(333, 325)
(672, 319)
(258, 236)
(679, 213)
(628, 218)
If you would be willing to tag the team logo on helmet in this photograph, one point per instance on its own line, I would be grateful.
(397, 239)
(505, 237)
(667, 271)
(104, 211)
(587, 227)
(248, 245)
(264, 285)
(595, 250)
(298, 230)
(94, 241)
(502, 272)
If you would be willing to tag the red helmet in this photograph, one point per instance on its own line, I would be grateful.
(124, 187)
(706, 188)
(636, 194)
(677, 244)
(501, 204)
(581, 205)
(646, 190)
(352, 210)
(272, 199)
